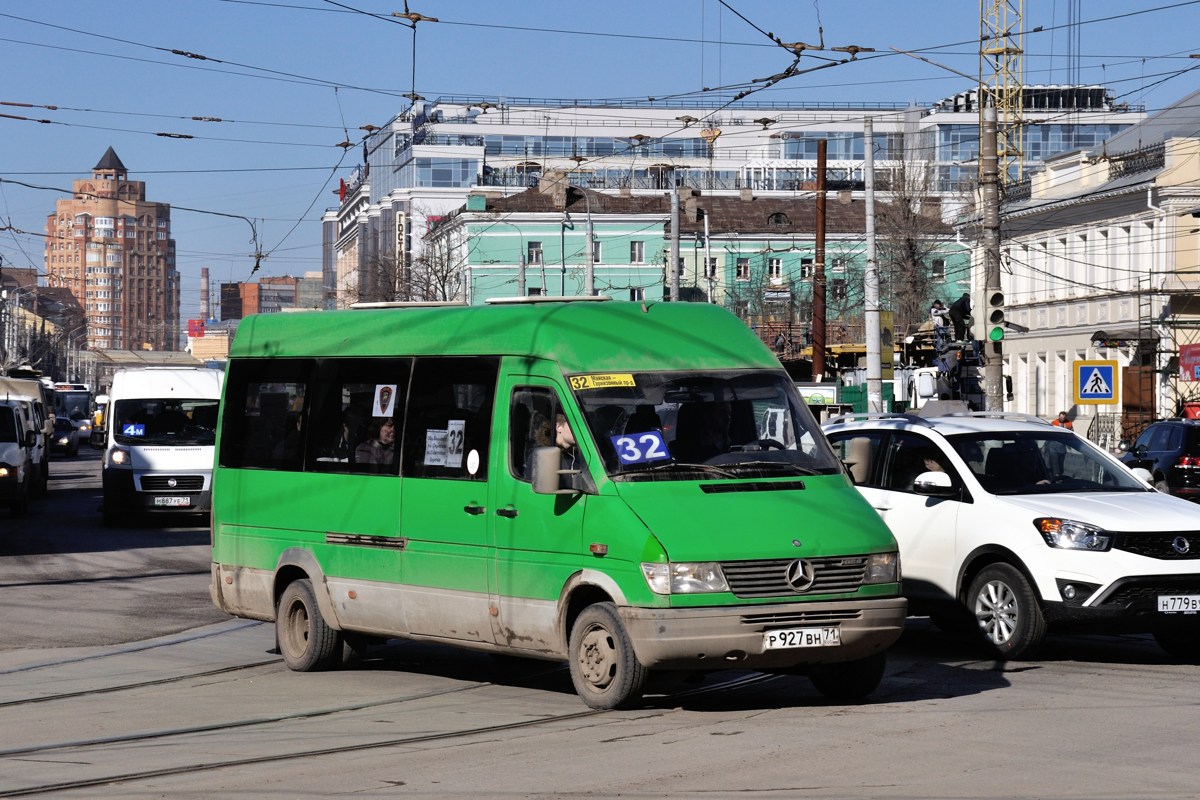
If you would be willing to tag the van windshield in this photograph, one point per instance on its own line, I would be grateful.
(171, 421)
(697, 425)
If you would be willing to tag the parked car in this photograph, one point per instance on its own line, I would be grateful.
(1025, 526)
(17, 472)
(1170, 451)
(66, 436)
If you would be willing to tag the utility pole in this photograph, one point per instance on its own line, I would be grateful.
(871, 278)
(989, 201)
(589, 271)
(673, 264)
(818, 289)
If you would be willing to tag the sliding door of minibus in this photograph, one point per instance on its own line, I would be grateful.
(537, 537)
(443, 518)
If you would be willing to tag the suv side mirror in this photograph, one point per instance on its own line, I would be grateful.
(934, 484)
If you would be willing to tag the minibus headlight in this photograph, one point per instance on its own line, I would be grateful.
(118, 457)
(685, 577)
(1071, 535)
(5, 471)
(882, 568)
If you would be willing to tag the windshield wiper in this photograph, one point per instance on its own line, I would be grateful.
(780, 466)
(684, 466)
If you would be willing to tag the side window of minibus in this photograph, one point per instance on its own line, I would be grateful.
(351, 401)
(448, 423)
(531, 424)
(263, 419)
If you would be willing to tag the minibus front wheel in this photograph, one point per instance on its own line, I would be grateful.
(604, 668)
(306, 641)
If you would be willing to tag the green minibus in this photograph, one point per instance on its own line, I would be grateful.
(574, 479)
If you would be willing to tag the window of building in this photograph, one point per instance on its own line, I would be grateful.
(637, 293)
(743, 269)
(596, 251)
(837, 289)
(637, 252)
(533, 253)
(937, 270)
(806, 268)
(775, 269)
(710, 267)
(778, 220)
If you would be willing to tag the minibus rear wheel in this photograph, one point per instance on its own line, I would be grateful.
(604, 668)
(306, 641)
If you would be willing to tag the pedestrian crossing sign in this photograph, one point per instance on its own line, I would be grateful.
(1096, 383)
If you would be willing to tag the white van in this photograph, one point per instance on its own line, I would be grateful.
(32, 395)
(17, 440)
(158, 440)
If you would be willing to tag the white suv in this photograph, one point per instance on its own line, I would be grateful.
(1025, 525)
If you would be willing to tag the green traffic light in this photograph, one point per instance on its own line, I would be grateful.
(996, 333)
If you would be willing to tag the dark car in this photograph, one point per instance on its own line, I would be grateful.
(1170, 450)
(66, 436)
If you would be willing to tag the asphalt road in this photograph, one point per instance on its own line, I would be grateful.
(119, 679)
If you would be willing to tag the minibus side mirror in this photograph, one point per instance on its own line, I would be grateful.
(98, 439)
(550, 478)
(30, 438)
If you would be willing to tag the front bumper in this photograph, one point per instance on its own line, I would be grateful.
(122, 489)
(726, 637)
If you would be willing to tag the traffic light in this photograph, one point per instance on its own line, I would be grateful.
(996, 317)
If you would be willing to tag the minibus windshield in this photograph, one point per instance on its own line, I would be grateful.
(696, 425)
(172, 421)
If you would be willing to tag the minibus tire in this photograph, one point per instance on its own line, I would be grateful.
(604, 668)
(849, 680)
(306, 641)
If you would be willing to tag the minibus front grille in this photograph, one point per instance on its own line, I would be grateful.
(825, 617)
(769, 577)
(172, 483)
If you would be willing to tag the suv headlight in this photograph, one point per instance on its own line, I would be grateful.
(1071, 535)
(882, 568)
(685, 577)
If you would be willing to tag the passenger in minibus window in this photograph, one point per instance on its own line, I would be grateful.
(380, 449)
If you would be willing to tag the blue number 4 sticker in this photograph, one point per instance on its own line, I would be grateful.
(639, 448)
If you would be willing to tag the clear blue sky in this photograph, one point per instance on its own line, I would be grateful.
(293, 78)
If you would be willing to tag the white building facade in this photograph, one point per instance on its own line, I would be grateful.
(423, 163)
(1099, 262)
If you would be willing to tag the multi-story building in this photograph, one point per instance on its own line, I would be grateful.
(112, 248)
(270, 294)
(423, 163)
(757, 256)
(1100, 263)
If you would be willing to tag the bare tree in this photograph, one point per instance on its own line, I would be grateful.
(909, 233)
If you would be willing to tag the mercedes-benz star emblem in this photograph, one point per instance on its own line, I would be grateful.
(800, 575)
(1181, 545)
